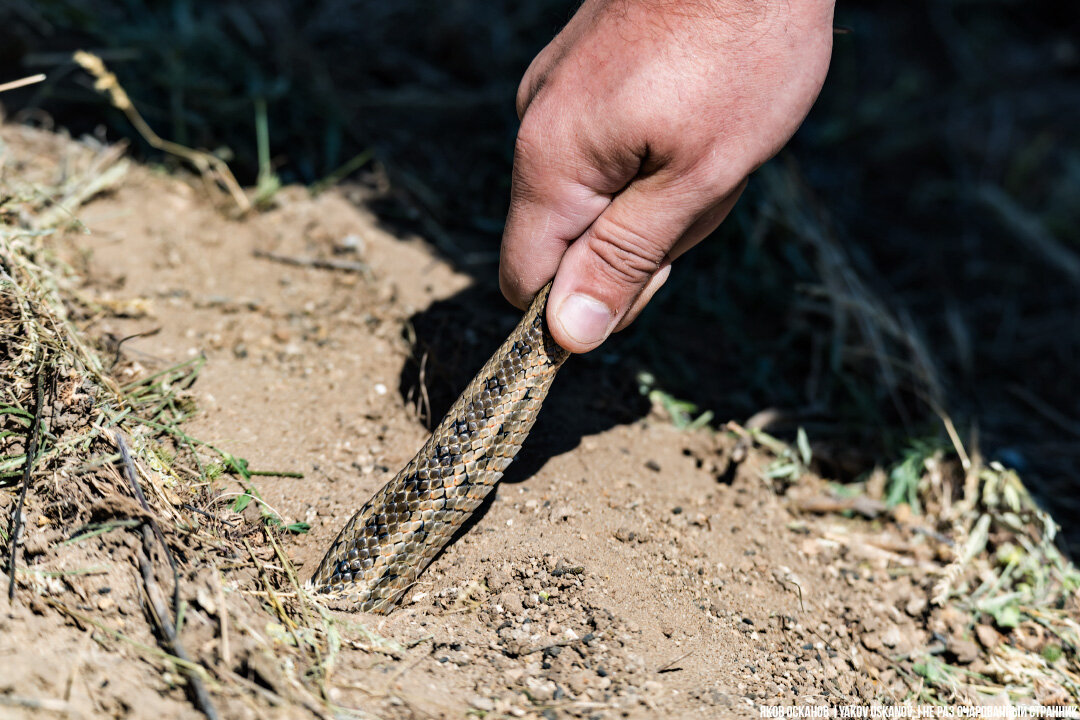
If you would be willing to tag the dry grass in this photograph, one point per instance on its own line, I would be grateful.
(994, 571)
(113, 459)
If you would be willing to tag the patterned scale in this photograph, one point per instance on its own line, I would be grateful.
(384, 547)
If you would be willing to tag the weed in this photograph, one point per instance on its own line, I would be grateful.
(905, 476)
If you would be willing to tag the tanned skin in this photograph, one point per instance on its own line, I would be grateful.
(640, 124)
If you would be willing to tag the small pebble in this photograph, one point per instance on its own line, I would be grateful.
(482, 703)
(965, 651)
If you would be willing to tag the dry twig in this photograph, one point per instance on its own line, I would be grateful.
(22, 82)
(28, 467)
(204, 162)
(167, 627)
(318, 263)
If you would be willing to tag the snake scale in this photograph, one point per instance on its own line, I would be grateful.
(396, 534)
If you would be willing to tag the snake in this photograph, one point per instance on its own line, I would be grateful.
(383, 548)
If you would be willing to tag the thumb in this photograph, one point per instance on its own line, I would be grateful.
(620, 258)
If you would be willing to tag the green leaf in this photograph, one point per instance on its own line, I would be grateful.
(781, 470)
(298, 527)
(242, 502)
(12, 462)
(1052, 653)
(1007, 616)
(702, 420)
(934, 670)
(803, 444)
(238, 465)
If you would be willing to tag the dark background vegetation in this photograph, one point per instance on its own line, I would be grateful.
(916, 246)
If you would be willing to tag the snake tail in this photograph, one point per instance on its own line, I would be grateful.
(387, 544)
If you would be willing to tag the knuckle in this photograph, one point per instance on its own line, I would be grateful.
(532, 81)
(510, 287)
(540, 172)
(533, 139)
(627, 257)
(713, 179)
(528, 155)
(716, 172)
(526, 91)
(528, 142)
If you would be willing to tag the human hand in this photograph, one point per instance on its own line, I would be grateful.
(640, 123)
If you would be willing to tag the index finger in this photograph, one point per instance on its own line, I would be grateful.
(549, 209)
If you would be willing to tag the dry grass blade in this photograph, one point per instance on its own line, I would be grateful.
(83, 618)
(904, 364)
(22, 82)
(95, 181)
(1031, 232)
(204, 162)
(45, 704)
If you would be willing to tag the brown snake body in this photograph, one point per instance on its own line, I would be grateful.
(395, 535)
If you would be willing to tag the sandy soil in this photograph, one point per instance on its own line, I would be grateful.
(624, 569)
